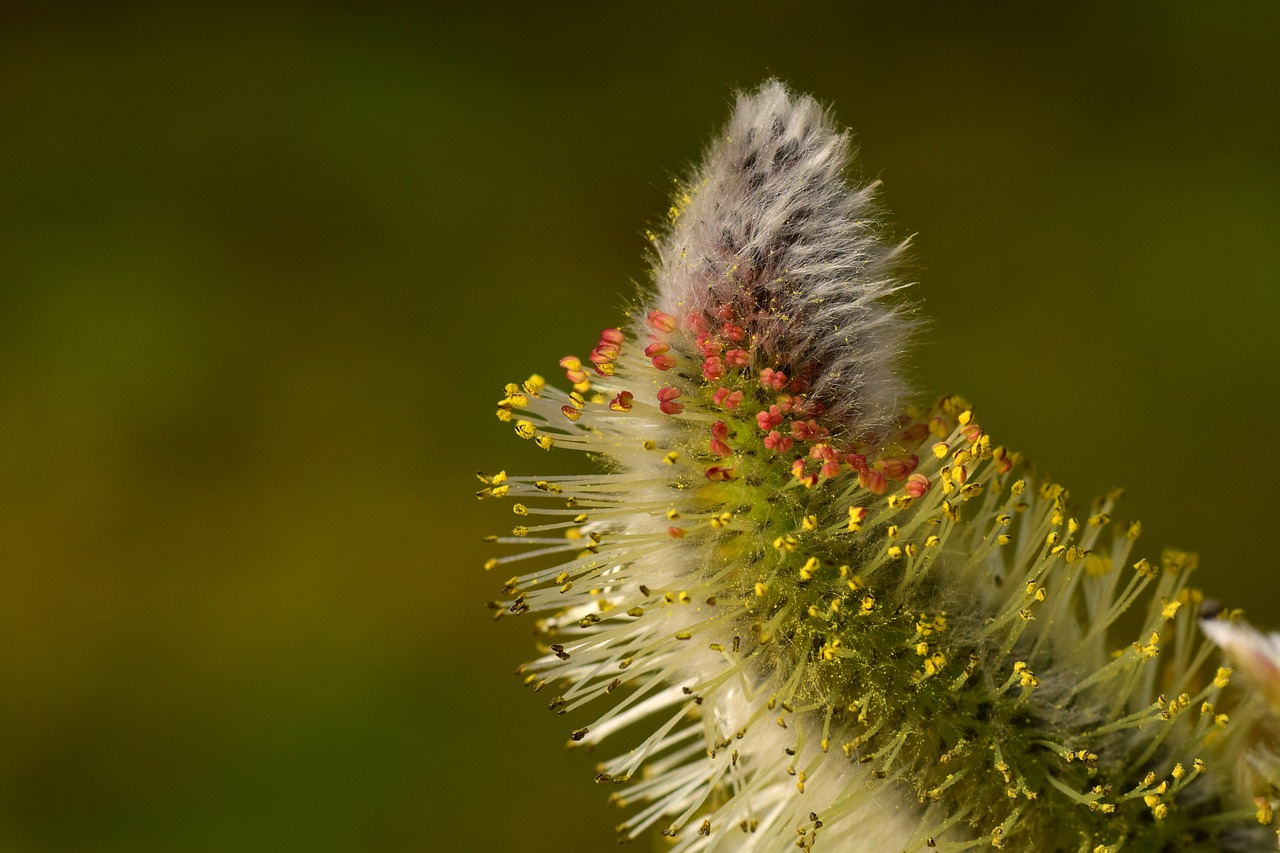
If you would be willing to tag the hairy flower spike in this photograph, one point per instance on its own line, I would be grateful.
(780, 556)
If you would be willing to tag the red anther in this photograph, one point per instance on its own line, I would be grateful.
(724, 312)
(605, 351)
(720, 396)
(797, 386)
(804, 430)
(622, 402)
(1004, 464)
(696, 323)
(719, 448)
(720, 430)
(676, 532)
(899, 467)
(660, 321)
(734, 400)
(734, 332)
(778, 442)
(708, 345)
(775, 380)
(770, 419)
(830, 469)
(785, 403)
(971, 432)
(657, 348)
(571, 362)
(737, 358)
(713, 369)
(856, 461)
(873, 481)
(823, 451)
(664, 362)
(667, 400)
(606, 368)
(570, 412)
(917, 485)
(612, 336)
(576, 376)
(717, 472)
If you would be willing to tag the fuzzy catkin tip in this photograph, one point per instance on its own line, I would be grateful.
(770, 231)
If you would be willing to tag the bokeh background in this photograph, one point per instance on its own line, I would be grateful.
(264, 271)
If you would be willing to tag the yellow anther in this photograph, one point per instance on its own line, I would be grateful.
(525, 430)
(786, 542)
(809, 522)
(534, 384)
(964, 417)
(941, 450)
(932, 541)
(894, 552)
(761, 589)
(892, 532)
(671, 457)
(546, 442)
(722, 520)
(1170, 608)
(810, 566)
(1221, 678)
(856, 515)
(520, 509)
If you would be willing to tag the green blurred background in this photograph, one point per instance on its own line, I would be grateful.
(263, 273)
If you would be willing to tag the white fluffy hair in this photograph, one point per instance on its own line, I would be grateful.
(770, 226)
